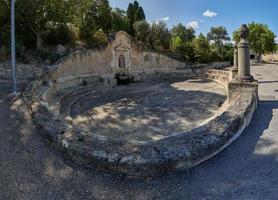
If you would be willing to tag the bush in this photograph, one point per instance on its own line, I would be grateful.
(61, 34)
(96, 39)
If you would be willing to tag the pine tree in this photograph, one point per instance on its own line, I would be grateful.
(135, 13)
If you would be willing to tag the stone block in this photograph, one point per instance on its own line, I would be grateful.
(237, 88)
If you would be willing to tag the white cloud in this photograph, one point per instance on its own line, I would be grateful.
(210, 14)
(193, 24)
(163, 19)
(202, 21)
(276, 40)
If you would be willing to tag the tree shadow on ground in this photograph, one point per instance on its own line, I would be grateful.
(148, 110)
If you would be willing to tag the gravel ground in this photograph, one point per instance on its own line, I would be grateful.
(31, 169)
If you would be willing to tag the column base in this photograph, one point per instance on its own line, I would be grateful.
(245, 78)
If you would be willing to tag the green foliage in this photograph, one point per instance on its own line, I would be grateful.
(135, 13)
(61, 34)
(218, 35)
(261, 38)
(181, 42)
(228, 52)
(189, 52)
(39, 15)
(97, 17)
(176, 42)
(43, 24)
(142, 30)
(154, 36)
(119, 20)
(181, 39)
(236, 37)
(185, 34)
(202, 49)
(100, 38)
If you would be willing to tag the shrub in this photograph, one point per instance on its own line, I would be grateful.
(61, 34)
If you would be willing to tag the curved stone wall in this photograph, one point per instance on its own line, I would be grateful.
(172, 153)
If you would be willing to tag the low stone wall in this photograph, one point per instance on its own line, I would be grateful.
(23, 71)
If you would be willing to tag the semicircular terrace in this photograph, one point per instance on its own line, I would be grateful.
(172, 117)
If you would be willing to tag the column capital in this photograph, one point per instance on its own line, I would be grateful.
(243, 33)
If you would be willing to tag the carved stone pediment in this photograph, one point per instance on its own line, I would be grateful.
(121, 47)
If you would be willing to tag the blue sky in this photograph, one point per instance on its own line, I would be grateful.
(228, 13)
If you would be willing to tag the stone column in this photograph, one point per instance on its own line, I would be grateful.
(244, 55)
(235, 56)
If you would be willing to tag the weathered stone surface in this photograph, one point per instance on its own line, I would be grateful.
(176, 152)
(237, 87)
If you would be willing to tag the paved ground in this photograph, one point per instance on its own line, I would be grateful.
(148, 111)
(30, 169)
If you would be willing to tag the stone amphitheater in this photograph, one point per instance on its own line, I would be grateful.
(129, 111)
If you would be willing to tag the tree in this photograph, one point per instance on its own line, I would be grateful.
(218, 35)
(181, 35)
(104, 19)
(142, 30)
(97, 17)
(202, 49)
(185, 34)
(261, 38)
(154, 36)
(119, 20)
(135, 13)
(37, 16)
(165, 38)
(228, 52)
(158, 35)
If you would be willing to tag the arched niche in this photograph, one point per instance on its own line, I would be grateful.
(121, 58)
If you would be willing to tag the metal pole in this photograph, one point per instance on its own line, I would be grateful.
(13, 56)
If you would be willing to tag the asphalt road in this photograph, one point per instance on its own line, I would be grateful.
(248, 169)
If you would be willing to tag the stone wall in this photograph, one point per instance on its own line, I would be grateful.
(23, 71)
(104, 64)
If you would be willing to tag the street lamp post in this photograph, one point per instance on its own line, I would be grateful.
(13, 55)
